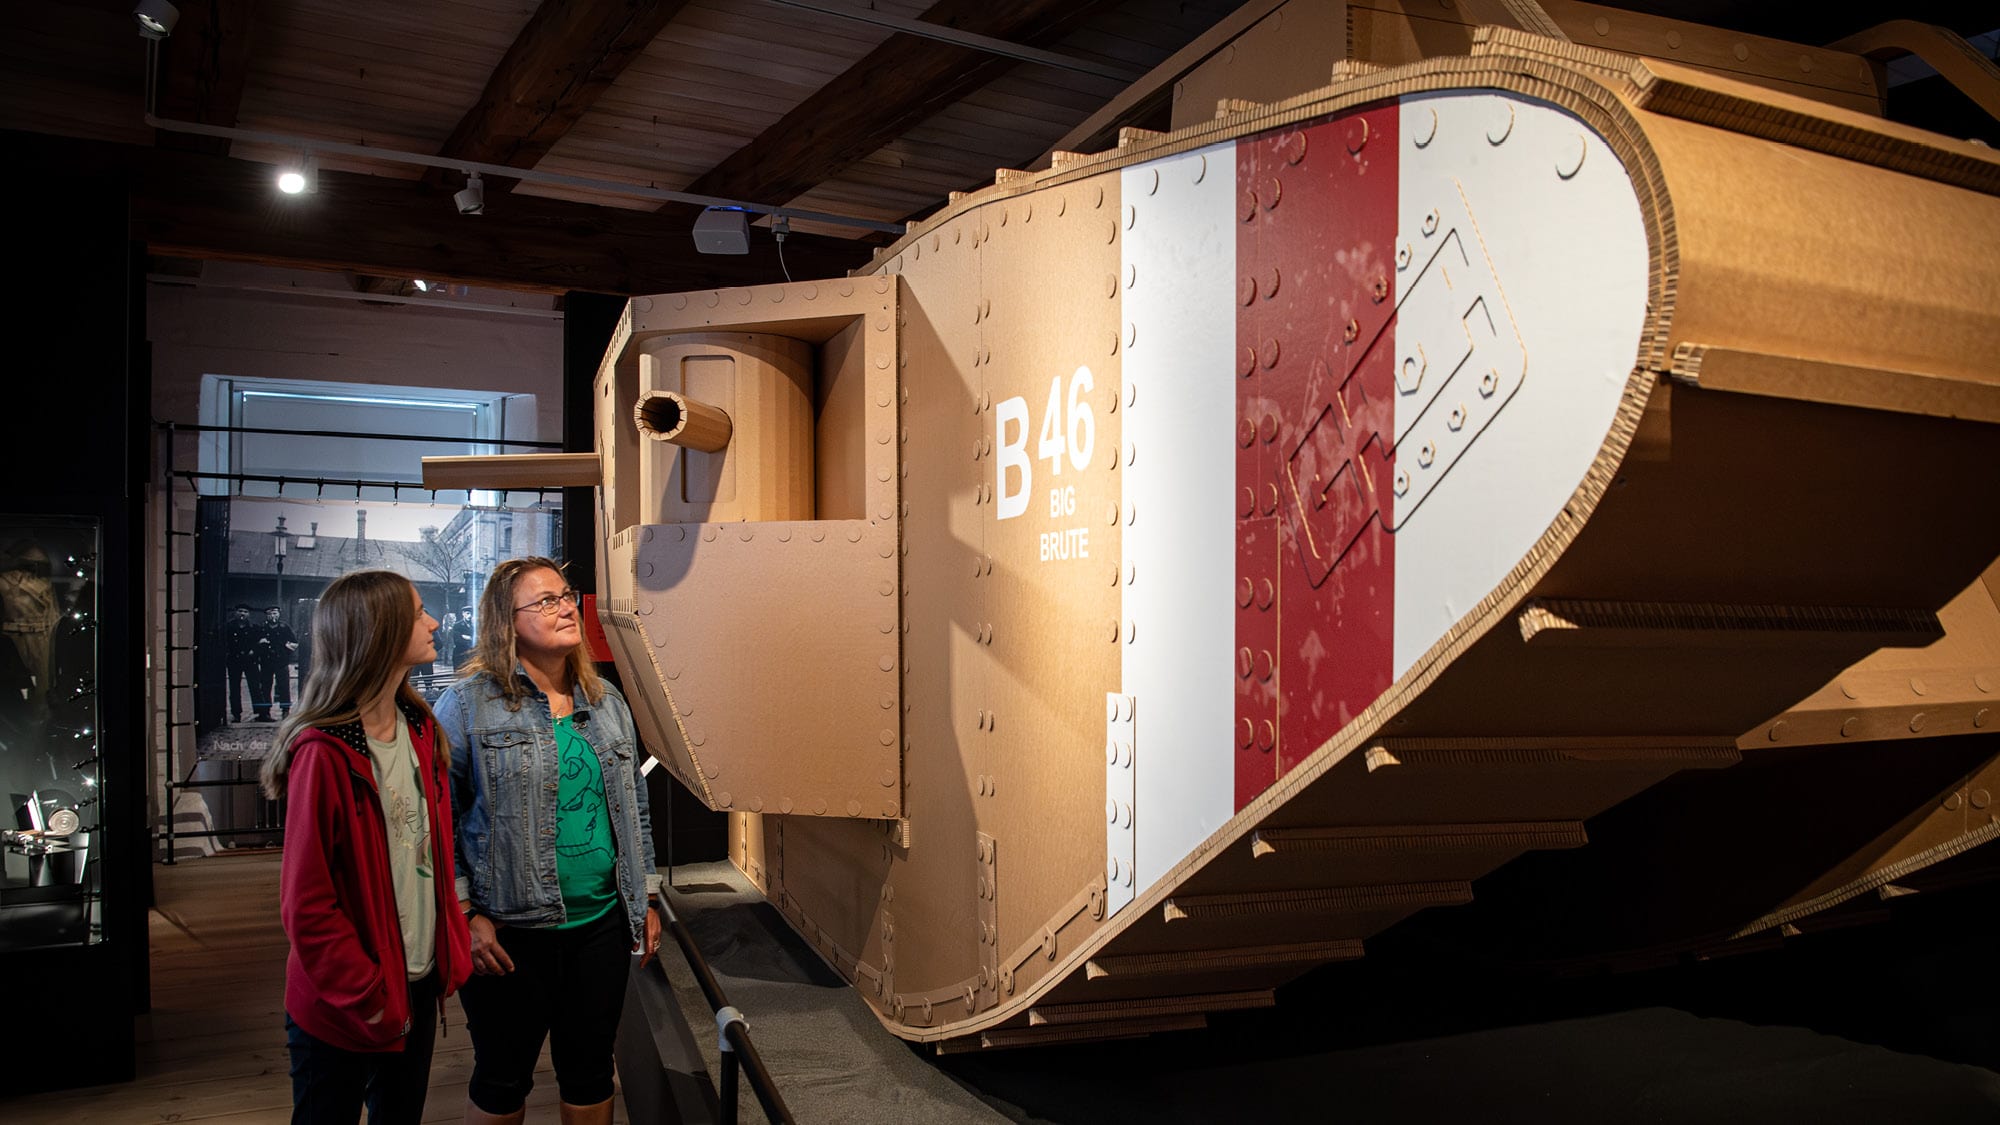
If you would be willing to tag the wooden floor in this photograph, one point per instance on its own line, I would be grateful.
(213, 1047)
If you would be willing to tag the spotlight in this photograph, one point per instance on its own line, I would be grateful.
(472, 200)
(156, 18)
(301, 178)
(722, 230)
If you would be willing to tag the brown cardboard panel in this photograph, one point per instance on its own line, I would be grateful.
(830, 749)
(1838, 78)
(763, 383)
(1053, 589)
(1727, 369)
(933, 881)
(1288, 52)
(1762, 270)
(840, 439)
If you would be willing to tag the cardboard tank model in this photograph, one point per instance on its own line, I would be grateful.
(1158, 574)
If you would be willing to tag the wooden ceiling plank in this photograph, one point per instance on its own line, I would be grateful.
(899, 84)
(562, 62)
(203, 65)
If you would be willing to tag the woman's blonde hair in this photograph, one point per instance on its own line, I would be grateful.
(494, 653)
(360, 634)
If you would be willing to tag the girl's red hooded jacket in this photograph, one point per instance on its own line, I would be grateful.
(336, 897)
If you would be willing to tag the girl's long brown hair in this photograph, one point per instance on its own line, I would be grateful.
(360, 633)
(493, 653)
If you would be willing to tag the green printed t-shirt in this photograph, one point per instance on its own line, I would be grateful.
(586, 853)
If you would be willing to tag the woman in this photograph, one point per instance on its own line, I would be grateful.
(367, 877)
(555, 848)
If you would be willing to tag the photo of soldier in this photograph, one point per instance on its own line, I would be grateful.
(239, 635)
(275, 646)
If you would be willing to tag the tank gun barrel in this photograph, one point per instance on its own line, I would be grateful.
(514, 470)
(675, 418)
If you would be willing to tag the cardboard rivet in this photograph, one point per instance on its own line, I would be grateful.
(1245, 732)
(680, 301)
(1951, 801)
(1131, 276)
(1244, 591)
(708, 535)
(1269, 353)
(1848, 726)
(756, 804)
(1111, 512)
(1423, 127)
(1742, 52)
(1351, 332)
(819, 807)
(883, 474)
(1246, 290)
(1917, 722)
(1777, 730)
(818, 534)
(1265, 666)
(1131, 574)
(1979, 717)
(1983, 682)
(1131, 513)
(745, 532)
(1110, 812)
(784, 804)
(854, 808)
(1131, 394)
(1267, 735)
(1131, 632)
(646, 534)
(644, 569)
(673, 671)
(1114, 626)
(887, 663)
(905, 435)
(989, 564)
(1267, 593)
(1918, 687)
(1247, 506)
(722, 799)
(1270, 499)
(711, 298)
(1111, 285)
(1295, 148)
(1571, 160)
(1246, 204)
(1271, 281)
(1601, 25)
(1049, 943)
(1244, 662)
(846, 288)
(1267, 430)
(1246, 433)
(1272, 193)
(854, 535)
(711, 769)
(1097, 195)
(1498, 132)
(1981, 798)
(1110, 231)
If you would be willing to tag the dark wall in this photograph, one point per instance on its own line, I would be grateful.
(78, 399)
(684, 829)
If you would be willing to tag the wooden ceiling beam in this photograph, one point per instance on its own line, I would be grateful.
(897, 86)
(564, 59)
(203, 66)
(199, 205)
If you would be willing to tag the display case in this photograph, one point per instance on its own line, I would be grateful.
(51, 768)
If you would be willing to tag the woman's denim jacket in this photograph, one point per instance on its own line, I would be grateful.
(504, 782)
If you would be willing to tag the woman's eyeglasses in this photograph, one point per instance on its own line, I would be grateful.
(549, 604)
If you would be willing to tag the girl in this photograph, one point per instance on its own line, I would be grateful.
(366, 889)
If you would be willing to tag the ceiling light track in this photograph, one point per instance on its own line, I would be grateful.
(530, 175)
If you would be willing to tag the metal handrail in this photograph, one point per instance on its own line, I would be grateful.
(733, 1031)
